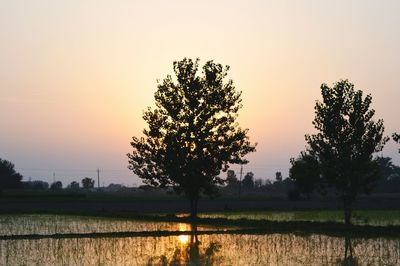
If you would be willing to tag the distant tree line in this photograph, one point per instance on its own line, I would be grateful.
(10, 179)
(86, 183)
(256, 186)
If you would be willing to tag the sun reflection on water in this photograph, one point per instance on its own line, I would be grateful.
(184, 239)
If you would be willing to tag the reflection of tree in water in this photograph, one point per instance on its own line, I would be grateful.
(190, 253)
(348, 259)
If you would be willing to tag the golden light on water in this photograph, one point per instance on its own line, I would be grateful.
(184, 239)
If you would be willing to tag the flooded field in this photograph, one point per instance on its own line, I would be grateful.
(197, 249)
(65, 224)
(360, 217)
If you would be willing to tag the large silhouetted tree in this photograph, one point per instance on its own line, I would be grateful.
(346, 138)
(305, 173)
(192, 133)
(9, 178)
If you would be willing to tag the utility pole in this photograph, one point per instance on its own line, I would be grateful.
(98, 178)
(240, 180)
(54, 177)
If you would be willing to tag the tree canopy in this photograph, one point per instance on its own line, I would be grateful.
(248, 181)
(56, 185)
(192, 133)
(9, 178)
(346, 139)
(87, 183)
(305, 173)
(73, 185)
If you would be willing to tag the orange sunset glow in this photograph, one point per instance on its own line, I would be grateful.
(75, 76)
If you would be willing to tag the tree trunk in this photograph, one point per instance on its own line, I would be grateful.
(348, 252)
(347, 211)
(193, 207)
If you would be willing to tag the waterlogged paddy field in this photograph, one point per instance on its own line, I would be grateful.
(65, 224)
(201, 249)
(360, 217)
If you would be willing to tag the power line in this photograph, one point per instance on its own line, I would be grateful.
(70, 170)
(266, 166)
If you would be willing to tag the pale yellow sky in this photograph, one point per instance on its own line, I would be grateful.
(75, 76)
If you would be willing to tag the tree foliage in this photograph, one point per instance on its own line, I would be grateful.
(87, 183)
(9, 178)
(73, 185)
(278, 177)
(231, 179)
(387, 169)
(396, 137)
(305, 172)
(248, 181)
(390, 181)
(346, 139)
(56, 185)
(192, 133)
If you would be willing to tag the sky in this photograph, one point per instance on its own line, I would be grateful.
(75, 76)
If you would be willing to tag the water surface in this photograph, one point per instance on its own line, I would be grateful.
(211, 249)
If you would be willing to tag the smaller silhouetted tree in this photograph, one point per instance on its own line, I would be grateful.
(278, 185)
(390, 181)
(87, 183)
(9, 178)
(248, 181)
(73, 185)
(387, 168)
(56, 185)
(305, 173)
(231, 179)
(347, 137)
(278, 176)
